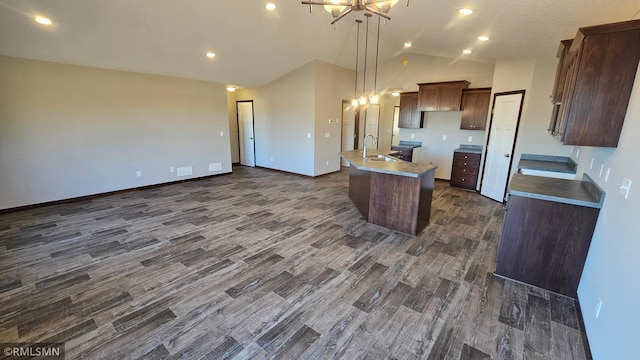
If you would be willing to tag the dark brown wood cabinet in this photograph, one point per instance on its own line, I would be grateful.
(441, 96)
(593, 84)
(464, 172)
(545, 243)
(409, 116)
(403, 154)
(475, 108)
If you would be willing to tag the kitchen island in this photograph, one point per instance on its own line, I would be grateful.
(390, 192)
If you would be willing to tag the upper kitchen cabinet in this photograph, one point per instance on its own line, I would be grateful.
(409, 116)
(601, 64)
(441, 96)
(475, 108)
(558, 85)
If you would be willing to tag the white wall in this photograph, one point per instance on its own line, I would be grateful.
(284, 121)
(233, 127)
(612, 268)
(69, 131)
(332, 85)
(292, 116)
(536, 77)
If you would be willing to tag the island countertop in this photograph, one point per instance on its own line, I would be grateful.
(396, 167)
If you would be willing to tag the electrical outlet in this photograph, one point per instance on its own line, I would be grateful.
(413, 136)
(172, 169)
(327, 135)
(221, 133)
(470, 139)
(444, 137)
(139, 173)
(308, 135)
(327, 162)
(272, 159)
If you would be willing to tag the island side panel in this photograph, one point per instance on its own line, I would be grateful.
(394, 202)
(359, 189)
(427, 182)
(545, 243)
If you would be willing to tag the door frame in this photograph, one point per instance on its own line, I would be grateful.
(253, 126)
(515, 136)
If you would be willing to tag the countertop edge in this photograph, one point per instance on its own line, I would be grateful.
(379, 167)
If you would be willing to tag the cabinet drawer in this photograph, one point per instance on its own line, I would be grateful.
(464, 171)
(468, 182)
(466, 156)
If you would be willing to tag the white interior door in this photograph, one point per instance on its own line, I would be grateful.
(395, 134)
(245, 133)
(372, 119)
(348, 128)
(502, 134)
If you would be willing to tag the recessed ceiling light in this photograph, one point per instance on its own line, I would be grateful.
(43, 20)
(395, 93)
(407, 44)
(211, 55)
(231, 88)
(483, 38)
(466, 51)
(270, 6)
(465, 11)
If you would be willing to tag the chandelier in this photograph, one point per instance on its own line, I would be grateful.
(341, 8)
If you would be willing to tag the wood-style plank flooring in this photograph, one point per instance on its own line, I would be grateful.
(261, 264)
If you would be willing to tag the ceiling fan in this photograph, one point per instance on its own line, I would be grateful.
(341, 8)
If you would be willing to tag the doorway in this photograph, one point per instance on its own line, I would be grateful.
(246, 138)
(395, 130)
(370, 125)
(503, 131)
(348, 129)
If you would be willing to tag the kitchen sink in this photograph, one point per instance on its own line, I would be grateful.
(382, 158)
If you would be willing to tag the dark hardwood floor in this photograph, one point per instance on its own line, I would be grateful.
(263, 264)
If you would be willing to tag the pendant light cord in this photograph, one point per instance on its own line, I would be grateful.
(355, 86)
(366, 47)
(375, 79)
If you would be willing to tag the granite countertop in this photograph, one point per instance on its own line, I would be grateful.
(562, 164)
(396, 167)
(469, 149)
(575, 192)
(407, 145)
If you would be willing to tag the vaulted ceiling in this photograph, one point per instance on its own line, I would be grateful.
(254, 46)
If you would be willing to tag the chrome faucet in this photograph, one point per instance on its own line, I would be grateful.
(364, 142)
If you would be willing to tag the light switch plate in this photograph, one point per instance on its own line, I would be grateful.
(626, 186)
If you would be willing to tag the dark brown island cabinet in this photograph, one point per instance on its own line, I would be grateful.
(547, 231)
(475, 108)
(441, 96)
(389, 192)
(409, 116)
(464, 172)
(593, 84)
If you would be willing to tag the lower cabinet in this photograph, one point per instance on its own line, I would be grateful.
(464, 172)
(545, 243)
(403, 154)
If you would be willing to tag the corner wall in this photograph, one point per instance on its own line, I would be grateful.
(68, 131)
(612, 268)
